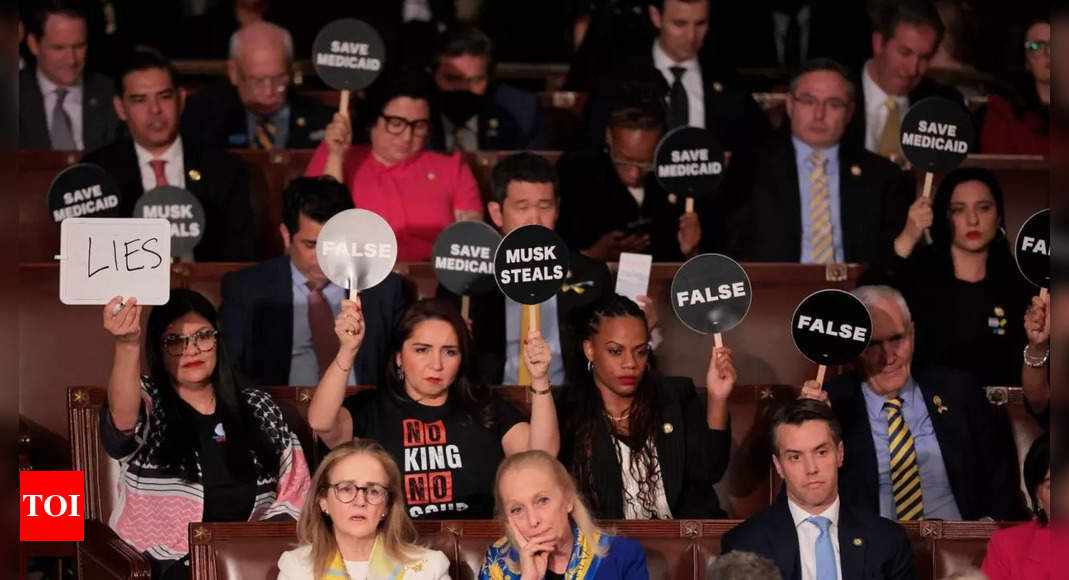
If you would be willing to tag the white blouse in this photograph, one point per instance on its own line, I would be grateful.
(632, 509)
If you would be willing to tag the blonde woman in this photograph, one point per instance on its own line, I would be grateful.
(354, 526)
(549, 531)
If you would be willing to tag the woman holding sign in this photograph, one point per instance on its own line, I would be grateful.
(417, 192)
(640, 445)
(192, 443)
(447, 432)
(964, 290)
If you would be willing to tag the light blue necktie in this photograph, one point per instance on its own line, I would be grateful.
(824, 551)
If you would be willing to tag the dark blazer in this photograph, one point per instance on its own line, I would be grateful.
(100, 126)
(855, 131)
(976, 444)
(595, 202)
(764, 224)
(216, 119)
(692, 456)
(730, 110)
(487, 314)
(870, 547)
(219, 181)
(511, 119)
(257, 318)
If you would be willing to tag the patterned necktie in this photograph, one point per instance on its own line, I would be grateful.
(265, 134)
(888, 145)
(523, 377)
(61, 135)
(824, 551)
(157, 168)
(678, 108)
(820, 235)
(321, 323)
(905, 471)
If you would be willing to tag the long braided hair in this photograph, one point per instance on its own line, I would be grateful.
(588, 416)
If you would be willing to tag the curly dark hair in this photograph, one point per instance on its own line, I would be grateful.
(587, 414)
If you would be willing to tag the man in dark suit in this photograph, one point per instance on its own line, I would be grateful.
(809, 532)
(155, 155)
(920, 442)
(809, 197)
(478, 113)
(256, 110)
(610, 199)
(698, 92)
(61, 105)
(906, 38)
(524, 192)
(279, 315)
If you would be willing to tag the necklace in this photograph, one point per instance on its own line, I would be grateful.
(620, 418)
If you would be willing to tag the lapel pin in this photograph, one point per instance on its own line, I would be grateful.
(855, 170)
(672, 198)
(92, 101)
(492, 123)
(301, 122)
(668, 428)
(568, 276)
(194, 175)
(718, 87)
(939, 406)
(430, 176)
(858, 542)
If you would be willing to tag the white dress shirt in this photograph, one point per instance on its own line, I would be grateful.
(174, 169)
(639, 193)
(72, 104)
(807, 537)
(876, 108)
(692, 82)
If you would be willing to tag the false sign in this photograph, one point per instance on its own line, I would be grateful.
(356, 249)
(831, 327)
(711, 293)
(1032, 249)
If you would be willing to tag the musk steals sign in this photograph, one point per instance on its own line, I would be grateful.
(51, 506)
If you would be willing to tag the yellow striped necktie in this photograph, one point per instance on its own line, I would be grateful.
(820, 235)
(905, 470)
(265, 134)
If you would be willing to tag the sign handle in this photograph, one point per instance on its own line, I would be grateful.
(465, 306)
(533, 312)
(927, 192)
(718, 339)
(820, 374)
(352, 291)
(343, 103)
(690, 205)
(1042, 292)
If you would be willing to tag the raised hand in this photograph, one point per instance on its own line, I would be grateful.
(720, 379)
(339, 134)
(124, 324)
(349, 326)
(919, 218)
(689, 234)
(1037, 323)
(536, 356)
(812, 390)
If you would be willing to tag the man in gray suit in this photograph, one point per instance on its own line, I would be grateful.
(61, 105)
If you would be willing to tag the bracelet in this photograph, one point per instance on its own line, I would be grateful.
(535, 391)
(341, 367)
(1033, 363)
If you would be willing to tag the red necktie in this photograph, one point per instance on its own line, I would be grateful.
(321, 322)
(157, 168)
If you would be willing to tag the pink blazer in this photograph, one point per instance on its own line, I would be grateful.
(1022, 553)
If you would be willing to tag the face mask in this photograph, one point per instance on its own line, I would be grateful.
(459, 106)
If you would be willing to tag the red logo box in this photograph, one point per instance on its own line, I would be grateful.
(51, 506)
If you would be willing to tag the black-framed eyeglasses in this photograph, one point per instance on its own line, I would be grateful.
(397, 125)
(346, 492)
(1037, 45)
(204, 341)
(811, 101)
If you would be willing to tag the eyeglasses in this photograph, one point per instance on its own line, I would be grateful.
(397, 125)
(627, 163)
(346, 492)
(454, 80)
(204, 341)
(811, 101)
(277, 83)
(1037, 45)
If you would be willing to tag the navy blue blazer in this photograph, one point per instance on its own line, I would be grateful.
(976, 444)
(511, 120)
(870, 547)
(257, 321)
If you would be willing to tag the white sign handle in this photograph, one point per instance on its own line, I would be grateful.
(690, 205)
(928, 176)
(821, 369)
(718, 339)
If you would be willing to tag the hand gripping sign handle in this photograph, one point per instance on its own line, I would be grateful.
(1042, 292)
(928, 175)
(820, 374)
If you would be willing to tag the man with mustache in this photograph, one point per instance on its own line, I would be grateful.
(920, 444)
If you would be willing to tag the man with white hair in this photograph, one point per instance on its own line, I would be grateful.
(257, 110)
(920, 443)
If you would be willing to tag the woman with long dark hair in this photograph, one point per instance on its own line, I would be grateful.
(193, 443)
(1017, 116)
(446, 431)
(642, 446)
(967, 298)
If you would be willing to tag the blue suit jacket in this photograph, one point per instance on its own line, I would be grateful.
(870, 547)
(511, 120)
(257, 320)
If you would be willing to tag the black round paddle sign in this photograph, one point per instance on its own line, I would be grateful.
(831, 327)
(463, 258)
(531, 264)
(936, 134)
(1032, 249)
(711, 293)
(356, 249)
(689, 161)
(83, 190)
(179, 207)
(348, 54)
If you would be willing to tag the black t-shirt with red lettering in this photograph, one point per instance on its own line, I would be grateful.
(447, 461)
